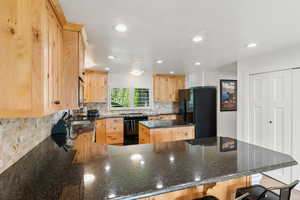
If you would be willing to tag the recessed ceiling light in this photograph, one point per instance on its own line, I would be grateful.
(107, 68)
(137, 72)
(172, 72)
(251, 45)
(197, 63)
(121, 28)
(111, 57)
(159, 61)
(197, 38)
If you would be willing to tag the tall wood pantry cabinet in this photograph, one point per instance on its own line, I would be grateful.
(34, 75)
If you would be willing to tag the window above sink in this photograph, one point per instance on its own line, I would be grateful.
(129, 98)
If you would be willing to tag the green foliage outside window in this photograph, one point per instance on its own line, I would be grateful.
(120, 97)
(141, 97)
(126, 97)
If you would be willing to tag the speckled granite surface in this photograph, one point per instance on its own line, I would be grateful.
(165, 124)
(131, 172)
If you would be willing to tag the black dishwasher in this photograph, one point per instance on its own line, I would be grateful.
(131, 129)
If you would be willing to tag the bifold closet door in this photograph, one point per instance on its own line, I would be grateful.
(271, 116)
(296, 124)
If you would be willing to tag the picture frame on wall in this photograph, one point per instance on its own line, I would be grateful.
(228, 95)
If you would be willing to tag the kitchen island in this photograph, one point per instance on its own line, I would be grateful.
(151, 171)
(165, 131)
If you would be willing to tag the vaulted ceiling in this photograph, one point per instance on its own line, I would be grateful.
(164, 29)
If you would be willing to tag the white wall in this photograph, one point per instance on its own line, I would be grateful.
(278, 60)
(226, 121)
(121, 80)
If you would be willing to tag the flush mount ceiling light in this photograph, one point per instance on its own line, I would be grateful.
(111, 57)
(197, 38)
(121, 28)
(137, 72)
(107, 68)
(251, 45)
(159, 61)
(172, 72)
(197, 63)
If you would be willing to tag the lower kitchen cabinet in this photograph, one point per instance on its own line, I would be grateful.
(148, 135)
(110, 131)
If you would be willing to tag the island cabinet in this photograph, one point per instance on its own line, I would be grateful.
(166, 87)
(34, 77)
(95, 86)
(110, 131)
(163, 117)
(156, 135)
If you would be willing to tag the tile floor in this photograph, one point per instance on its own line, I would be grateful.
(268, 182)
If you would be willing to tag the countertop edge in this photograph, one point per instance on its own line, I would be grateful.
(207, 181)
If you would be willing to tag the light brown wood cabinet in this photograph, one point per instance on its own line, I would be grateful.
(33, 72)
(166, 87)
(156, 135)
(163, 117)
(110, 131)
(74, 56)
(95, 86)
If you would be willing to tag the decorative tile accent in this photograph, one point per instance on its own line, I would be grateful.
(19, 136)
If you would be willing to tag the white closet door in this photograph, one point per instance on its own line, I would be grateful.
(280, 119)
(258, 108)
(270, 115)
(296, 124)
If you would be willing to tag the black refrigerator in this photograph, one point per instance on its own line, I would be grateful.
(198, 105)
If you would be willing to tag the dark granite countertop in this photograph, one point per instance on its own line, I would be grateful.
(132, 172)
(165, 124)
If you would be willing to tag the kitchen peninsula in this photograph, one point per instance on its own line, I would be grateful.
(181, 169)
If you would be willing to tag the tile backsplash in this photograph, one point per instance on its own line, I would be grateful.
(21, 135)
(156, 108)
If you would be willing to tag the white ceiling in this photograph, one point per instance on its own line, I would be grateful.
(163, 29)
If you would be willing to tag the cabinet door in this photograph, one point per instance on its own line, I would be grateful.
(54, 63)
(96, 87)
(172, 89)
(161, 135)
(101, 131)
(70, 69)
(160, 87)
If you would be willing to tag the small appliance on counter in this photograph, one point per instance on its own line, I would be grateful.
(93, 113)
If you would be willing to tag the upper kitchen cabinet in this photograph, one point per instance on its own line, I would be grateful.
(33, 70)
(95, 86)
(73, 71)
(166, 87)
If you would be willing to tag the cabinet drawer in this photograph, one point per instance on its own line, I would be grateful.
(114, 125)
(184, 133)
(114, 139)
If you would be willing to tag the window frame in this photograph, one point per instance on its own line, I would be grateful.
(131, 100)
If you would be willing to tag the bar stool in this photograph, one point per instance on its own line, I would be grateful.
(259, 192)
